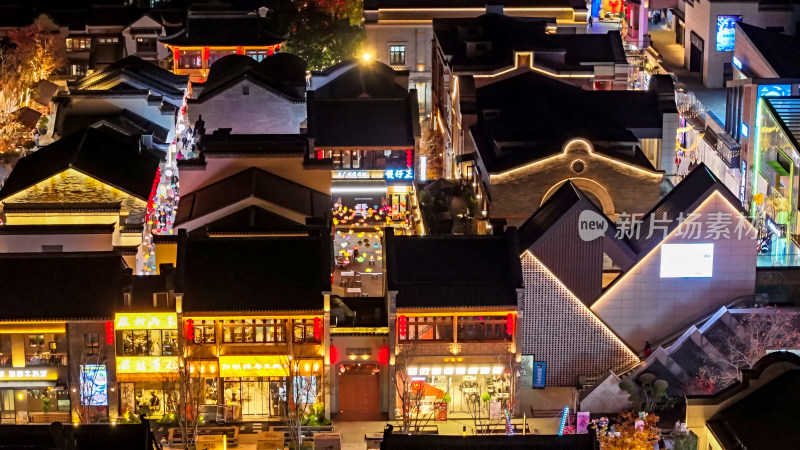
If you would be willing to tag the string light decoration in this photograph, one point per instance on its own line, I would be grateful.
(564, 415)
(509, 428)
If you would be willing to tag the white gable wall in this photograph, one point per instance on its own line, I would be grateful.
(259, 112)
(642, 306)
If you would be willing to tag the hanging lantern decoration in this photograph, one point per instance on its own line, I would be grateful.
(383, 355)
(334, 354)
(510, 324)
(417, 385)
(189, 329)
(317, 328)
(109, 332)
(402, 326)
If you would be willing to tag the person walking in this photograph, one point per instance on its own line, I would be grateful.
(591, 21)
(647, 349)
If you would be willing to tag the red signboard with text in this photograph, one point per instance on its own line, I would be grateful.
(441, 411)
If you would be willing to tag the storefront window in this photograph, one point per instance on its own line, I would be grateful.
(481, 328)
(190, 59)
(148, 397)
(429, 329)
(215, 55)
(35, 340)
(253, 331)
(149, 342)
(257, 396)
(304, 330)
(369, 159)
(204, 332)
(471, 389)
(258, 55)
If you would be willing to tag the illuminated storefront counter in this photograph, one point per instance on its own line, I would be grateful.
(483, 388)
(255, 385)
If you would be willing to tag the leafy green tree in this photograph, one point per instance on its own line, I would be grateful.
(325, 32)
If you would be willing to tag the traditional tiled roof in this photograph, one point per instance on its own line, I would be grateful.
(255, 274)
(438, 4)
(255, 220)
(505, 35)
(102, 153)
(231, 28)
(40, 286)
(454, 271)
(365, 122)
(252, 183)
(138, 71)
(282, 74)
(123, 121)
(529, 116)
(782, 52)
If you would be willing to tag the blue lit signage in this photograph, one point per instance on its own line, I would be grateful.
(745, 130)
(775, 90)
(743, 182)
(539, 374)
(737, 63)
(726, 32)
(777, 230)
(398, 174)
(94, 385)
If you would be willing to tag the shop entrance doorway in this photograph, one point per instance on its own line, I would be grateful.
(359, 393)
(696, 54)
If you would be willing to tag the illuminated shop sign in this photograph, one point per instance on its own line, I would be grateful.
(264, 366)
(454, 370)
(150, 321)
(737, 63)
(351, 174)
(94, 385)
(775, 90)
(743, 182)
(726, 32)
(398, 174)
(27, 374)
(777, 230)
(147, 364)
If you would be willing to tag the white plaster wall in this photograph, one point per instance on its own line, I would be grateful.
(702, 19)
(71, 242)
(290, 168)
(260, 112)
(642, 306)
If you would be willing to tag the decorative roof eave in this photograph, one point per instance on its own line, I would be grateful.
(208, 95)
(365, 147)
(460, 310)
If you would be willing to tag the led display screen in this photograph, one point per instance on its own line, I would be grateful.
(726, 32)
(687, 260)
(775, 90)
(94, 385)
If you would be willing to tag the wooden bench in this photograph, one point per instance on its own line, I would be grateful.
(231, 434)
(500, 428)
(307, 432)
(418, 429)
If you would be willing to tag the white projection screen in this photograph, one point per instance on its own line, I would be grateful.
(687, 260)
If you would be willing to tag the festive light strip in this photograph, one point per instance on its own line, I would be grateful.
(564, 415)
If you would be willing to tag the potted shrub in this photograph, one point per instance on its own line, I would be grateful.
(46, 404)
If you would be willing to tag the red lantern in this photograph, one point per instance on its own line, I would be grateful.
(317, 328)
(333, 354)
(189, 329)
(417, 385)
(510, 324)
(402, 326)
(109, 332)
(383, 355)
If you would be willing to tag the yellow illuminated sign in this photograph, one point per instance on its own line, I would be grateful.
(147, 321)
(27, 374)
(147, 364)
(253, 366)
(265, 366)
